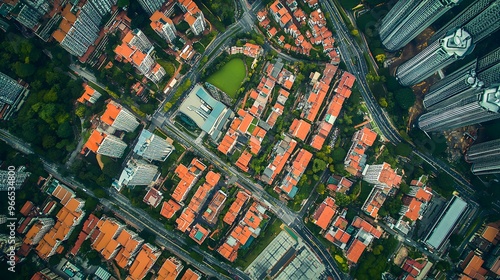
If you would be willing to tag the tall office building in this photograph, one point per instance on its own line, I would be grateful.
(408, 18)
(12, 95)
(469, 110)
(455, 45)
(153, 147)
(137, 173)
(484, 157)
(444, 51)
(462, 18)
(150, 6)
(468, 80)
(163, 26)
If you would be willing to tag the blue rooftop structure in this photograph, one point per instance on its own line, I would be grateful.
(209, 114)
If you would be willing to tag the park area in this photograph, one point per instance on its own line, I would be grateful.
(229, 77)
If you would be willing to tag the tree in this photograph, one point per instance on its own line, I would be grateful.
(403, 149)
(405, 98)
(339, 155)
(342, 200)
(65, 130)
(382, 102)
(23, 70)
(355, 32)
(321, 189)
(123, 3)
(48, 141)
(318, 165)
(80, 110)
(377, 250)
(380, 58)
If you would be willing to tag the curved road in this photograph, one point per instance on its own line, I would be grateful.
(352, 54)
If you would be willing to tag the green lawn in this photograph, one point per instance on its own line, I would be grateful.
(229, 77)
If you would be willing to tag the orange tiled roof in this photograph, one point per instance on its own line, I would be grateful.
(325, 212)
(170, 269)
(112, 111)
(26, 209)
(355, 250)
(143, 262)
(228, 252)
(94, 141)
(87, 94)
(413, 211)
(423, 194)
(491, 234)
(474, 269)
(300, 129)
(199, 234)
(235, 208)
(169, 209)
(185, 219)
(190, 275)
(244, 160)
(360, 223)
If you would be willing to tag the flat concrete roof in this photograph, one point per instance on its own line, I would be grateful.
(446, 222)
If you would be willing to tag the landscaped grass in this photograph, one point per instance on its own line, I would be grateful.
(229, 77)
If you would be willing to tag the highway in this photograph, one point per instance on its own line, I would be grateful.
(352, 54)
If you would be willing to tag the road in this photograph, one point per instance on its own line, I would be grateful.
(173, 241)
(353, 56)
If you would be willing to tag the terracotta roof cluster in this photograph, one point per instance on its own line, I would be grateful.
(68, 217)
(382, 174)
(285, 78)
(337, 232)
(27, 208)
(325, 212)
(280, 155)
(244, 160)
(252, 50)
(189, 213)
(280, 13)
(188, 177)
(214, 207)
(199, 233)
(248, 227)
(88, 228)
(228, 142)
(143, 262)
(169, 208)
(241, 198)
(170, 269)
(300, 129)
(140, 59)
(415, 202)
(363, 238)
(374, 201)
(153, 197)
(278, 107)
(355, 160)
(192, 11)
(106, 233)
(89, 95)
(333, 109)
(413, 267)
(339, 184)
(295, 172)
(318, 93)
(364, 225)
(264, 89)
